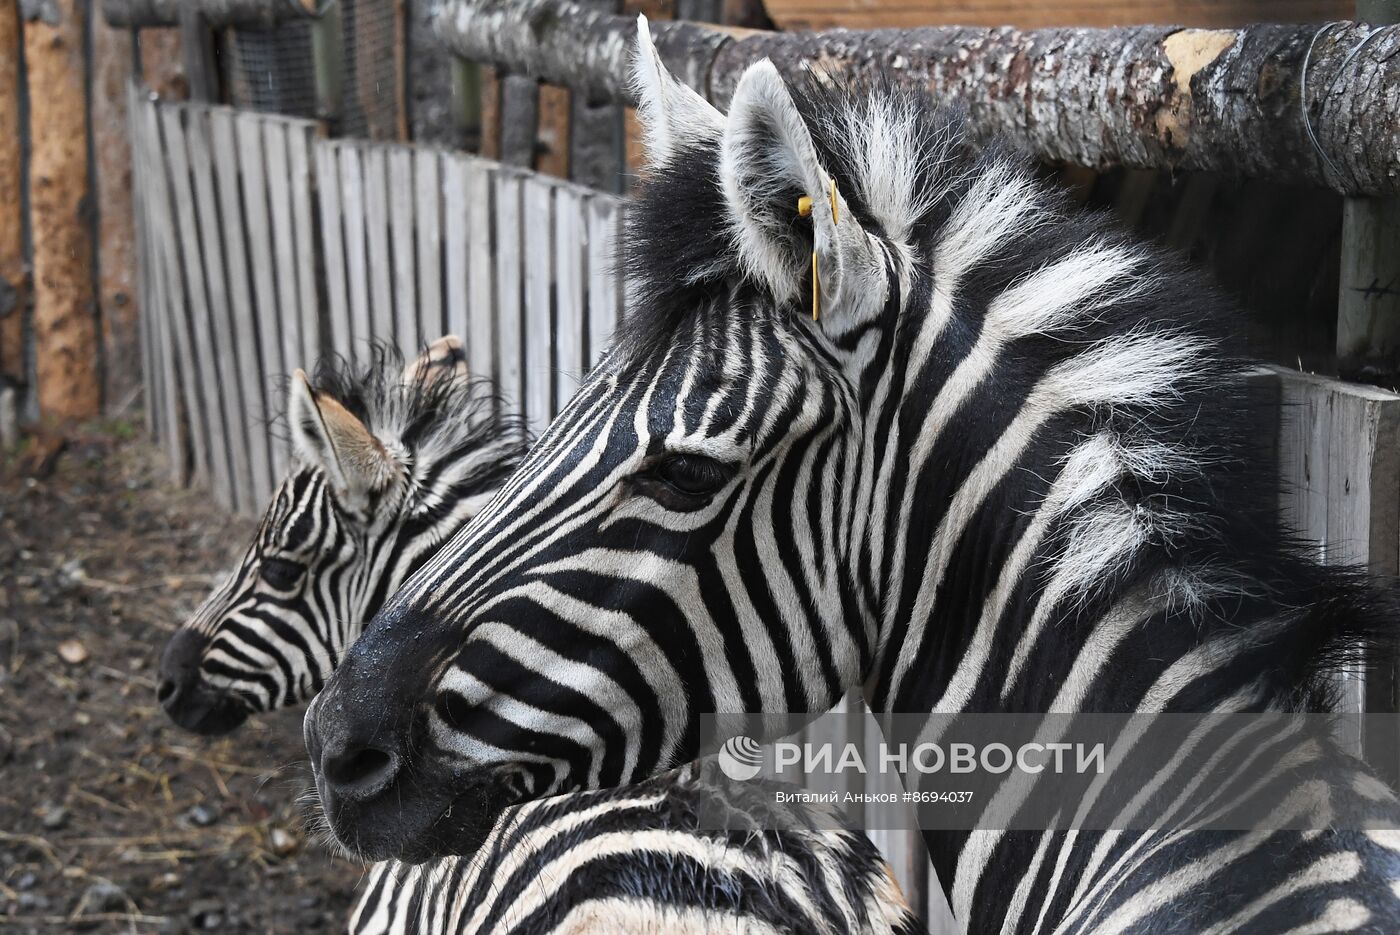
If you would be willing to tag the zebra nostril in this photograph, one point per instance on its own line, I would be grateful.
(165, 691)
(358, 772)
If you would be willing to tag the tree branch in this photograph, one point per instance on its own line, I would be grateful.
(1151, 97)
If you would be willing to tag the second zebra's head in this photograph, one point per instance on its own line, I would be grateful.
(677, 542)
(388, 462)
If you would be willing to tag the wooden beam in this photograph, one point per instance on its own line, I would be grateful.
(1139, 97)
(1368, 306)
(13, 278)
(65, 329)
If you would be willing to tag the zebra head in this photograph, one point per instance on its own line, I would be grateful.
(386, 466)
(678, 540)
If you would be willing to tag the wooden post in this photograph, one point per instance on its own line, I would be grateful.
(466, 102)
(1368, 308)
(328, 62)
(552, 156)
(197, 43)
(520, 107)
(116, 235)
(13, 281)
(65, 329)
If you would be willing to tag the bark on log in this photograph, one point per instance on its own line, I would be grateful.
(116, 257)
(1147, 97)
(145, 13)
(65, 329)
(13, 285)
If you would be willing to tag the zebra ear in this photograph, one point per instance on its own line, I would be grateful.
(767, 163)
(328, 435)
(444, 359)
(673, 117)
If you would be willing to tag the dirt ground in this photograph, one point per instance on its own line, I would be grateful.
(111, 818)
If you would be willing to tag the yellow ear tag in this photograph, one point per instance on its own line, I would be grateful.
(804, 210)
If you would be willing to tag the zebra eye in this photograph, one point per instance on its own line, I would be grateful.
(684, 481)
(281, 573)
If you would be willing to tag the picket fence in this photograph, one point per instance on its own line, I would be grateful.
(264, 246)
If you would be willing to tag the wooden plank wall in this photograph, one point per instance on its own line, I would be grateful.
(228, 274)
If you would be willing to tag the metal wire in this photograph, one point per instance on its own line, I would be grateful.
(273, 70)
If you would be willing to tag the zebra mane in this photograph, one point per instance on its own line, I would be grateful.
(428, 415)
(1185, 443)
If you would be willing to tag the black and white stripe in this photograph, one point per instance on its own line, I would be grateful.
(1008, 469)
(640, 860)
(387, 467)
(643, 859)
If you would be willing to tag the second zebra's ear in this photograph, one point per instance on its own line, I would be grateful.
(768, 163)
(444, 359)
(673, 117)
(329, 436)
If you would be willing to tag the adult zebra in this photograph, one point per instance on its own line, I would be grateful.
(386, 469)
(1002, 471)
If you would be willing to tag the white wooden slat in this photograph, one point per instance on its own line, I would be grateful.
(455, 265)
(304, 238)
(157, 311)
(352, 201)
(539, 286)
(381, 295)
(510, 302)
(284, 274)
(1340, 485)
(399, 165)
(218, 313)
(202, 397)
(328, 194)
(257, 406)
(248, 130)
(427, 219)
(483, 328)
(604, 290)
(145, 299)
(570, 319)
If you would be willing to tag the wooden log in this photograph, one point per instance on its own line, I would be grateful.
(145, 13)
(1141, 97)
(65, 328)
(14, 281)
(116, 238)
(1037, 14)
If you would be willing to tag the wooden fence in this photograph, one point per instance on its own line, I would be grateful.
(263, 246)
